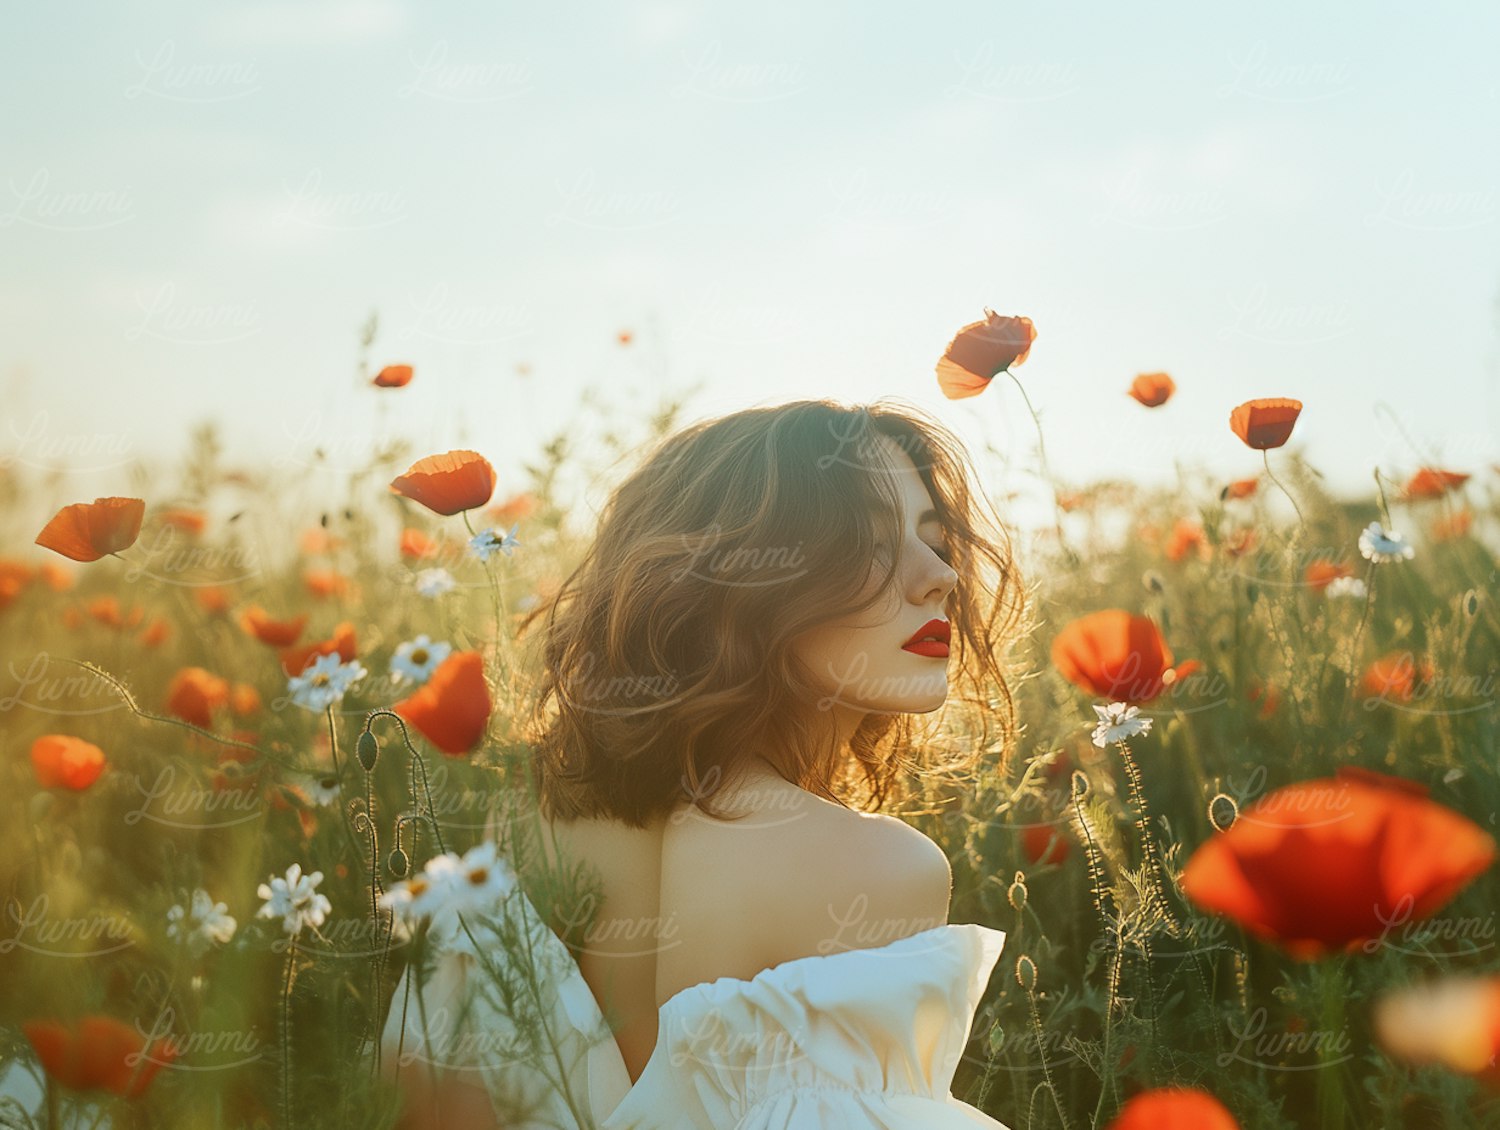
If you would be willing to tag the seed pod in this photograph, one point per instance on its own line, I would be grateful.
(398, 863)
(1017, 892)
(1223, 812)
(368, 750)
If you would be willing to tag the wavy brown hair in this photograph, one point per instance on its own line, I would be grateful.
(667, 664)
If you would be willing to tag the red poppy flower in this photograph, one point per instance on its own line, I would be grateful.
(1452, 526)
(1265, 423)
(14, 577)
(1045, 843)
(1430, 482)
(106, 609)
(87, 531)
(1153, 389)
(188, 521)
(1320, 573)
(1395, 675)
(1452, 1021)
(982, 350)
(1240, 488)
(99, 1052)
(63, 761)
(295, 659)
(194, 694)
(453, 707)
(276, 633)
(393, 376)
(625, 337)
(156, 633)
(1328, 863)
(1118, 656)
(448, 483)
(1174, 1108)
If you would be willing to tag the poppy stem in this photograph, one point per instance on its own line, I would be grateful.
(1266, 459)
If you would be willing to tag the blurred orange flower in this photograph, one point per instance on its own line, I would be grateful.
(213, 599)
(625, 337)
(194, 694)
(295, 659)
(414, 543)
(1187, 537)
(14, 577)
(393, 376)
(57, 576)
(1451, 526)
(156, 633)
(1321, 573)
(513, 509)
(982, 350)
(325, 582)
(1266, 694)
(106, 609)
(87, 531)
(276, 633)
(1174, 1108)
(1266, 422)
(244, 699)
(1328, 863)
(453, 707)
(188, 521)
(315, 539)
(1395, 675)
(1153, 389)
(99, 1052)
(1430, 482)
(448, 483)
(1118, 656)
(1453, 1021)
(1240, 488)
(63, 761)
(1241, 541)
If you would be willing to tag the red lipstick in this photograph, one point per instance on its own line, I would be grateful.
(931, 640)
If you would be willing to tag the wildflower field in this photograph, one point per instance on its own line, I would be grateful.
(1243, 849)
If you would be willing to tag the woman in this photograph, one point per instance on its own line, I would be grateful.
(729, 684)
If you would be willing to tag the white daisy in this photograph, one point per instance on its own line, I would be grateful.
(417, 659)
(1117, 722)
(202, 924)
(450, 885)
(1380, 545)
(484, 544)
(1346, 586)
(325, 682)
(294, 899)
(433, 583)
(320, 790)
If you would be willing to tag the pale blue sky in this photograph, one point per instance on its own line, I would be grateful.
(200, 203)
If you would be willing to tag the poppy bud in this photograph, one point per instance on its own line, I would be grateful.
(1223, 812)
(1153, 582)
(368, 750)
(398, 863)
(1026, 972)
(1017, 892)
(1470, 603)
(1080, 785)
(997, 1039)
(1252, 592)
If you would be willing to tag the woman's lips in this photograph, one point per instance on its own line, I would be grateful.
(935, 649)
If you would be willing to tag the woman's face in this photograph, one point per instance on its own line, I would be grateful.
(868, 663)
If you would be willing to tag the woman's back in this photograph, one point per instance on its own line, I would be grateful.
(691, 899)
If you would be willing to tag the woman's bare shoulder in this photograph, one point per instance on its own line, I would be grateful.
(799, 876)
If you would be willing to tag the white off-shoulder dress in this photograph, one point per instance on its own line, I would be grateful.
(859, 1039)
